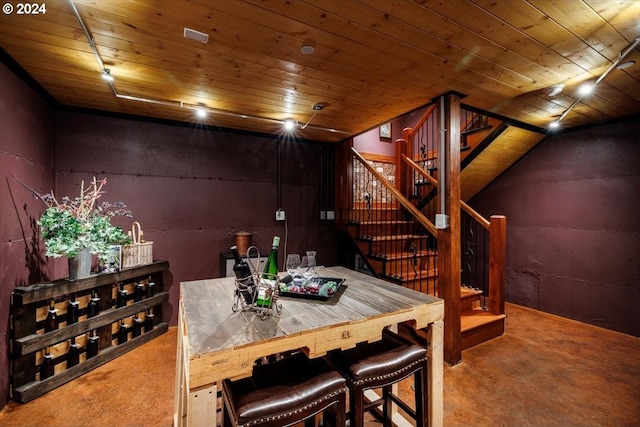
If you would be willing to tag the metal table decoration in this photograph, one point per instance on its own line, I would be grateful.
(251, 291)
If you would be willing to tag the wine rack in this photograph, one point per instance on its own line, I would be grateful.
(30, 307)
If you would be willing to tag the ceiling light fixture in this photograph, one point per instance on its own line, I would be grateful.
(106, 74)
(626, 65)
(621, 56)
(201, 113)
(289, 125)
(316, 108)
(585, 89)
(308, 47)
(554, 90)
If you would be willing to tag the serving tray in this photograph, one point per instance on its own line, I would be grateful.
(299, 287)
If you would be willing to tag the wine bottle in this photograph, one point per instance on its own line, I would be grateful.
(51, 322)
(264, 298)
(93, 308)
(92, 344)
(121, 300)
(148, 321)
(47, 367)
(243, 275)
(271, 266)
(151, 288)
(137, 326)
(73, 355)
(123, 333)
(73, 310)
(137, 292)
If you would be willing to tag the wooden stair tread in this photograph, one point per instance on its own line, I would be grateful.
(473, 319)
(420, 274)
(395, 237)
(466, 292)
(396, 256)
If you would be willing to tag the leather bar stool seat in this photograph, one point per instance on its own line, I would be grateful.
(382, 364)
(286, 392)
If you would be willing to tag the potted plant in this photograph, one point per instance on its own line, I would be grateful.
(79, 227)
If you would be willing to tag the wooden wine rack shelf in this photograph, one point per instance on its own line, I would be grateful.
(28, 310)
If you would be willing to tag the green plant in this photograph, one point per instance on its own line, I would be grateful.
(72, 225)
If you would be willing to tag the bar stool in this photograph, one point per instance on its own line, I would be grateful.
(381, 364)
(284, 393)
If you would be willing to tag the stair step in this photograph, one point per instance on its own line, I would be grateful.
(391, 238)
(479, 326)
(397, 256)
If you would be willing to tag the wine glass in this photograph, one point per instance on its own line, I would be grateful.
(293, 263)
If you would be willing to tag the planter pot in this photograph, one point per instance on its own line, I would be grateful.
(80, 265)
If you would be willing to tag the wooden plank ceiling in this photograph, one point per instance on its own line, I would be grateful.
(374, 59)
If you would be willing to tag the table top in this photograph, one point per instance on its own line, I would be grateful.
(218, 339)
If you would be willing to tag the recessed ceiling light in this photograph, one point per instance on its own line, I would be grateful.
(196, 35)
(201, 113)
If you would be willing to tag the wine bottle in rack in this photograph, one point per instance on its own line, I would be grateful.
(73, 355)
(148, 321)
(73, 310)
(151, 288)
(123, 333)
(47, 368)
(51, 322)
(137, 326)
(121, 299)
(93, 308)
(92, 344)
(137, 292)
(264, 298)
(271, 266)
(243, 276)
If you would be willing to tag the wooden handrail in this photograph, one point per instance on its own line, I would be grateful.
(423, 119)
(465, 207)
(397, 194)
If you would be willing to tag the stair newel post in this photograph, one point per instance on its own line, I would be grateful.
(449, 245)
(402, 171)
(497, 263)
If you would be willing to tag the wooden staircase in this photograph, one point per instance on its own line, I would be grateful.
(389, 247)
(391, 222)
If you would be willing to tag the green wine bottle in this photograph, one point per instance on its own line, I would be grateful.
(264, 298)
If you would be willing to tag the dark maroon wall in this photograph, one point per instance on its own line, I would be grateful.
(189, 188)
(573, 212)
(26, 143)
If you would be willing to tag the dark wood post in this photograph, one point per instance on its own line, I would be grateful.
(497, 263)
(449, 251)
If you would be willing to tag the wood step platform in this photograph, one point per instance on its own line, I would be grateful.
(479, 326)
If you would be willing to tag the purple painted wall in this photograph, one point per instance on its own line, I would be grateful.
(188, 187)
(573, 239)
(26, 143)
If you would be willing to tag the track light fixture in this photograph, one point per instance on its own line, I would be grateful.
(200, 109)
(106, 74)
(586, 89)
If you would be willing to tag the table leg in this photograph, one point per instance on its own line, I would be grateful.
(435, 361)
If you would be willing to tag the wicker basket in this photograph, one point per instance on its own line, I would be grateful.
(139, 252)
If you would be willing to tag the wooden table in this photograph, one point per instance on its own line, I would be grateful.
(215, 343)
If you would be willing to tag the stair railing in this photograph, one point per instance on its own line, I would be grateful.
(394, 237)
(483, 249)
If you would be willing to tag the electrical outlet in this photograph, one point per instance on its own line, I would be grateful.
(442, 221)
(280, 216)
(323, 215)
(331, 215)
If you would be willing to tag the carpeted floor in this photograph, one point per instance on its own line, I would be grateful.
(545, 371)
